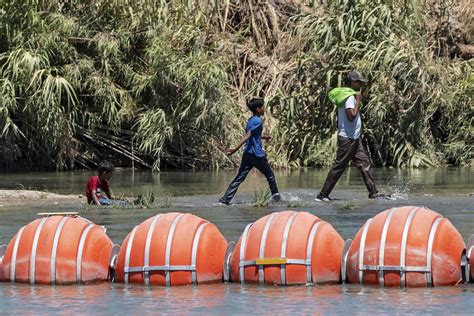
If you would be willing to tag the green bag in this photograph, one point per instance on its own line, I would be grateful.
(338, 96)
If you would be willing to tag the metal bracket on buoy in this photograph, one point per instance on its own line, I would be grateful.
(113, 255)
(227, 261)
(345, 253)
(464, 268)
(112, 260)
(70, 214)
(467, 258)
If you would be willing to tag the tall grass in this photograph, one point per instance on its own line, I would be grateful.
(163, 83)
(414, 99)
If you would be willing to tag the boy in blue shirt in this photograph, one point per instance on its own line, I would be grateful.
(253, 156)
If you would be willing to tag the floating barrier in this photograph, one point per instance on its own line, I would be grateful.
(172, 249)
(406, 246)
(57, 250)
(287, 248)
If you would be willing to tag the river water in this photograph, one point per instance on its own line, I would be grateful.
(448, 191)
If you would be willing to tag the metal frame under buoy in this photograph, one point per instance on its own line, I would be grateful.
(466, 264)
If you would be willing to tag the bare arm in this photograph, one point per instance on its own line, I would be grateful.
(352, 113)
(230, 151)
(94, 197)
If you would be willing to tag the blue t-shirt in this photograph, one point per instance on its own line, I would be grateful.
(254, 143)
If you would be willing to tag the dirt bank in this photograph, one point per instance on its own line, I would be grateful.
(26, 197)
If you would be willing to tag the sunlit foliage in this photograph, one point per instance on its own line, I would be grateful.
(164, 83)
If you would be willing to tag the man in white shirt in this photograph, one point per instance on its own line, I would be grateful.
(349, 143)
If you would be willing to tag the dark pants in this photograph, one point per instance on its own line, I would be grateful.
(248, 162)
(347, 150)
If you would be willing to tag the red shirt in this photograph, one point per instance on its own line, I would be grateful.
(99, 186)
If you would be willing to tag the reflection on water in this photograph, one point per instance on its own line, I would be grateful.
(445, 190)
(232, 298)
(413, 181)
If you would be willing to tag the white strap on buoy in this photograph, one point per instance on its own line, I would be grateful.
(362, 250)
(309, 252)
(403, 247)
(54, 251)
(263, 243)
(33, 251)
(284, 244)
(429, 251)
(197, 237)
(168, 247)
(80, 250)
(383, 240)
(14, 255)
(243, 245)
(149, 236)
(126, 267)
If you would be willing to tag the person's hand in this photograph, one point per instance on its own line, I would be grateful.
(359, 97)
(230, 151)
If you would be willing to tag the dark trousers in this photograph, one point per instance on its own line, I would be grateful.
(347, 150)
(248, 162)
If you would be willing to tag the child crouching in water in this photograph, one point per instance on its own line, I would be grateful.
(97, 189)
(253, 156)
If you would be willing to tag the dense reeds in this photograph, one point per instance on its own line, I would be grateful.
(163, 83)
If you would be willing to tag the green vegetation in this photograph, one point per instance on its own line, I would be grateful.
(261, 198)
(163, 83)
(347, 206)
(298, 203)
(145, 200)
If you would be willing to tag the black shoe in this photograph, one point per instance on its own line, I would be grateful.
(223, 202)
(323, 198)
(379, 196)
(276, 197)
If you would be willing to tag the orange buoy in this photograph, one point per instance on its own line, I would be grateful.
(406, 246)
(57, 250)
(287, 248)
(172, 249)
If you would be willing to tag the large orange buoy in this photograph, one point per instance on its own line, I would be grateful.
(406, 246)
(172, 249)
(287, 248)
(57, 250)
